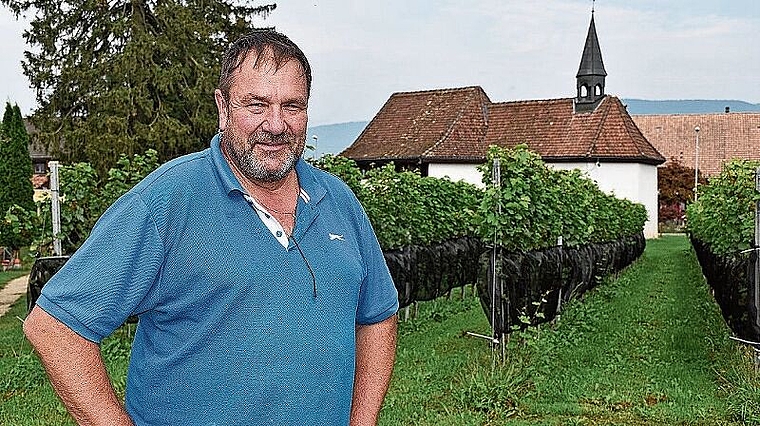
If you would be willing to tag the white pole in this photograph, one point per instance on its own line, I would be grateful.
(696, 164)
(496, 178)
(757, 253)
(56, 207)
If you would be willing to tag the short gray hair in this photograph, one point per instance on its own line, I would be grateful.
(259, 41)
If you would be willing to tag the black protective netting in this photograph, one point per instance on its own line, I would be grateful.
(42, 270)
(427, 272)
(530, 287)
(732, 281)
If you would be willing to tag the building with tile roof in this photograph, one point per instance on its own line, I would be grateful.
(447, 132)
(722, 137)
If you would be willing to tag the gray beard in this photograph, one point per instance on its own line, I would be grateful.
(241, 152)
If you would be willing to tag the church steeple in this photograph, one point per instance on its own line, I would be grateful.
(591, 73)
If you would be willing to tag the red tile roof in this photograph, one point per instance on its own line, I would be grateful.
(412, 124)
(722, 137)
(459, 124)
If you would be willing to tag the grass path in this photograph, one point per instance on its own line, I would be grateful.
(11, 292)
(649, 347)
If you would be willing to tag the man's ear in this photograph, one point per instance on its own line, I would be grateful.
(221, 107)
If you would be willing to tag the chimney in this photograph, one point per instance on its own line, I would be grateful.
(728, 109)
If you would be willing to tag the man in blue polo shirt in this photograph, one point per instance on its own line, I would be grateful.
(261, 290)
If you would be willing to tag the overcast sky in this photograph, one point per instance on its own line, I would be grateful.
(363, 51)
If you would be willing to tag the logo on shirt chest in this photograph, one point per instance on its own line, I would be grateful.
(334, 237)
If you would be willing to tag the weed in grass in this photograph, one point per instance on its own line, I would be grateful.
(492, 391)
(740, 384)
(25, 373)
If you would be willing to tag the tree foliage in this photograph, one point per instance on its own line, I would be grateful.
(533, 205)
(15, 171)
(407, 208)
(122, 76)
(538, 204)
(723, 217)
(675, 183)
(84, 197)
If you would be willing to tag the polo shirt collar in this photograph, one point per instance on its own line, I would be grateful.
(313, 188)
(222, 167)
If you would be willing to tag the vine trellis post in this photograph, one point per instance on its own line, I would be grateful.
(56, 207)
(757, 255)
(756, 275)
(498, 339)
(495, 339)
(755, 258)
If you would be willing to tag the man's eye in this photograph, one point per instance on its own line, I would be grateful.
(293, 108)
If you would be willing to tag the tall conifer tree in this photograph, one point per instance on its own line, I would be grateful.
(15, 172)
(122, 76)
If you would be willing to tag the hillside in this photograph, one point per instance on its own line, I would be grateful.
(333, 138)
(644, 107)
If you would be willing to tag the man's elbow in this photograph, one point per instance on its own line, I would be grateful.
(31, 327)
(38, 327)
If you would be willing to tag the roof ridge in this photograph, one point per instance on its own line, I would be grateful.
(531, 101)
(606, 113)
(441, 90)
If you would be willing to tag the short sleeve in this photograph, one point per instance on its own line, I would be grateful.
(378, 298)
(106, 280)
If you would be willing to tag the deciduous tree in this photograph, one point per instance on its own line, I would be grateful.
(675, 184)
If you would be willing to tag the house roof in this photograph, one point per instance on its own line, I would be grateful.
(413, 125)
(458, 125)
(722, 137)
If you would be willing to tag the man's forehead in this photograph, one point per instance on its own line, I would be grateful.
(267, 60)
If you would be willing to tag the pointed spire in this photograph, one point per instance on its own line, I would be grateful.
(589, 81)
(591, 61)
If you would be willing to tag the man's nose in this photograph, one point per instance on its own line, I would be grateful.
(274, 122)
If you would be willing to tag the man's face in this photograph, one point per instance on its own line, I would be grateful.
(264, 122)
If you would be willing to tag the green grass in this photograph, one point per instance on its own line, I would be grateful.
(26, 397)
(648, 347)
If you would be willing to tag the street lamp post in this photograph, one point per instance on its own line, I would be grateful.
(696, 163)
(316, 138)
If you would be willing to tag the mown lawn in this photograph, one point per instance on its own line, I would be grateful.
(649, 347)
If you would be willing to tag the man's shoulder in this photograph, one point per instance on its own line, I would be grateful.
(187, 170)
(328, 180)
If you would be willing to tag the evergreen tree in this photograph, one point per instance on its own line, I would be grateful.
(122, 76)
(15, 172)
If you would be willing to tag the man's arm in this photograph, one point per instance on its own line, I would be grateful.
(375, 353)
(76, 371)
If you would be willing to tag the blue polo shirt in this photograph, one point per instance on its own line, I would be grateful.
(230, 332)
